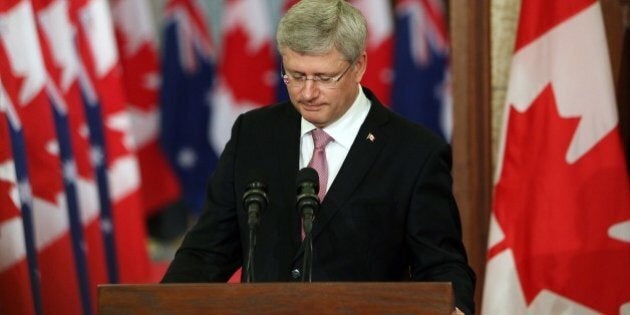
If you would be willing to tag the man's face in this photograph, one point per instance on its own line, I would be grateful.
(318, 103)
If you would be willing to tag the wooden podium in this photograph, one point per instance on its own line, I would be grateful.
(278, 298)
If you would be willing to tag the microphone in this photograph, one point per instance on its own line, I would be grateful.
(307, 200)
(254, 201)
(308, 205)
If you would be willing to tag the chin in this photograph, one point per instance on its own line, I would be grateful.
(314, 120)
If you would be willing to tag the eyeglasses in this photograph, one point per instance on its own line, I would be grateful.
(297, 80)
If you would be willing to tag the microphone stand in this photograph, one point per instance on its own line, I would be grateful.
(308, 204)
(254, 200)
(307, 225)
(253, 223)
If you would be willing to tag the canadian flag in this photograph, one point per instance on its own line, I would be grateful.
(17, 294)
(247, 71)
(112, 144)
(560, 229)
(136, 37)
(380, 45)
(24, 77)
(62, 63)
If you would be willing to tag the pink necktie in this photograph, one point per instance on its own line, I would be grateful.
(318, 161)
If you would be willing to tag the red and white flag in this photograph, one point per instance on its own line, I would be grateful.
(62, 64)
(15, 289)
(136, 37)
(99, 54)
(247, 70)
(24, 77)
(560, 228)
(380, 46)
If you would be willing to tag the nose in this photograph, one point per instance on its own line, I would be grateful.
(309, 91)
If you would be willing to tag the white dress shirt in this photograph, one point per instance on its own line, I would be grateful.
(343, 131)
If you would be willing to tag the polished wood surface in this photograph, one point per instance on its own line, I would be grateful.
(472, 140)
(277, 298)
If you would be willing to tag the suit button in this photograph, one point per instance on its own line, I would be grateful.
(295, 273)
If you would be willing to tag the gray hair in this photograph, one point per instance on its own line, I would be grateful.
(316, 26)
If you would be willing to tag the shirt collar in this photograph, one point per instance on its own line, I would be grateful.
(344, 130)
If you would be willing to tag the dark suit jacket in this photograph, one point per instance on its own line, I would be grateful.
(389, 214)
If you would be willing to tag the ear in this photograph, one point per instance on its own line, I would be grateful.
(360, 65)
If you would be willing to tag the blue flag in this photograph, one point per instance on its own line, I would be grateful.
(187, 78)
(421, 89)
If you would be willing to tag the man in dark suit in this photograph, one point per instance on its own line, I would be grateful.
(388, 213)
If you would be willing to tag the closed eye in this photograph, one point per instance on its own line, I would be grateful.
(323, 79)
(302, 77)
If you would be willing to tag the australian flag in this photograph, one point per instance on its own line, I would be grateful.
(421, 88)
(187, 78)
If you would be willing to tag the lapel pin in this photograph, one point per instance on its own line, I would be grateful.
(370, 137)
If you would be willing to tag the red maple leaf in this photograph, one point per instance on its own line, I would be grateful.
(259, 65)
(556, 215)
(38, 131)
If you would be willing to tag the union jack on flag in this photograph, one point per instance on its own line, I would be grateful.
(421, 89)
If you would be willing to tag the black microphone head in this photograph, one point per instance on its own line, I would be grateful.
(307, 176)
(257, 184)
(256, 190)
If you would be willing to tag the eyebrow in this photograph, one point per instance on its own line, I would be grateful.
(294, 72)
